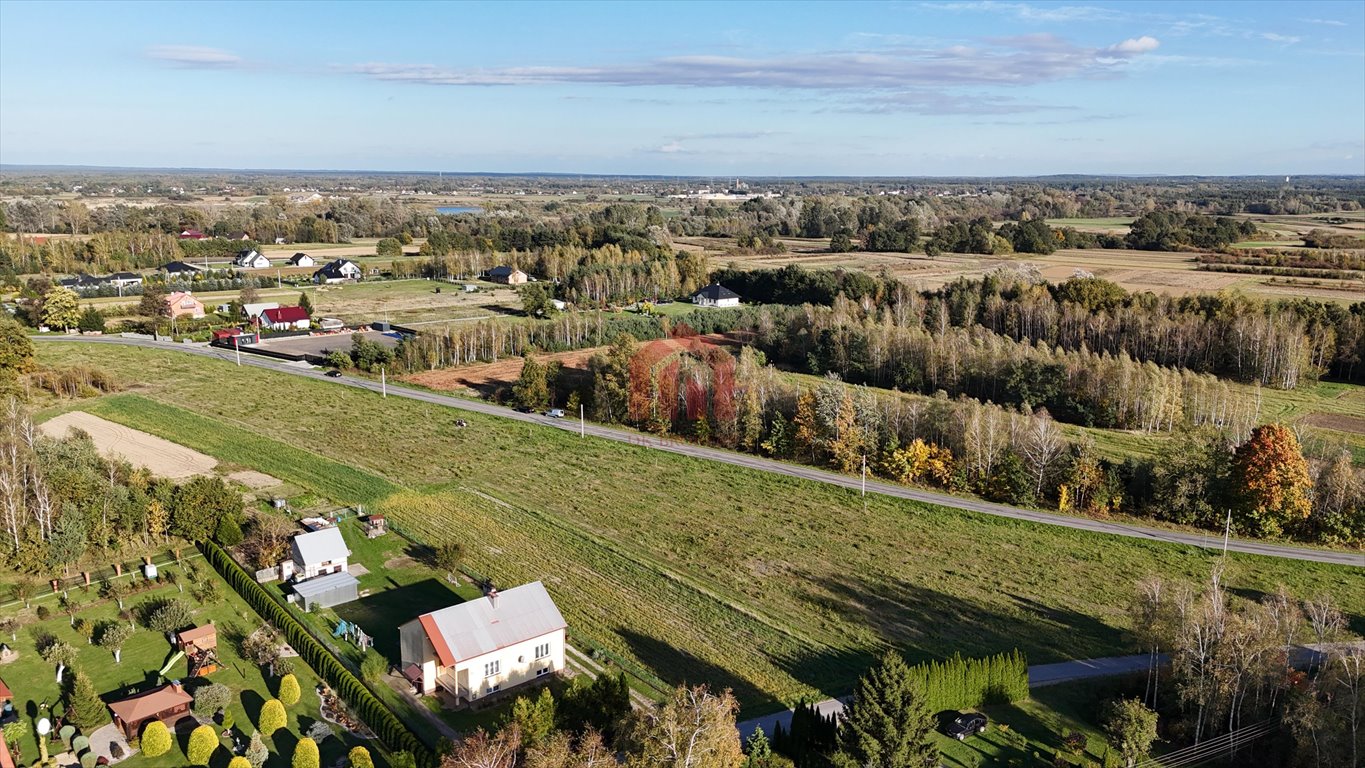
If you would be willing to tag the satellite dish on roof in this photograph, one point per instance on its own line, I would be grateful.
(44, 727)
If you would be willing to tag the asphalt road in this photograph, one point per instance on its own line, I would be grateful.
(746, 460)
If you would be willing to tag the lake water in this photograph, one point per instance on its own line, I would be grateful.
(453, 209)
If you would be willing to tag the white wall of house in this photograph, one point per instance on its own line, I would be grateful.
(704, 302)
(473, 678)
(511, 666)
(309, 570)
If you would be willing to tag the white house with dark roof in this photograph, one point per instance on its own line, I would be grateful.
(302, 260)
(317, 553)
(338, 271)
(250, 259)
(483, 646)
(715, 295)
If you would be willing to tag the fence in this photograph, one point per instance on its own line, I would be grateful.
(319, 655)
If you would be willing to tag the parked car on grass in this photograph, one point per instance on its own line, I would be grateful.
(967, 724)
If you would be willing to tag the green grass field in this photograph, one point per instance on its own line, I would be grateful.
(775, 586)
(34, 681)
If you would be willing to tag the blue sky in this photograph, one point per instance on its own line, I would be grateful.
(949, 87)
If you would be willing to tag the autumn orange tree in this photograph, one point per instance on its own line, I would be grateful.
(1272, 486)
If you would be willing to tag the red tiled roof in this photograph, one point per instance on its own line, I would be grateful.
(6, 759)
(135, 709)
(285, 315)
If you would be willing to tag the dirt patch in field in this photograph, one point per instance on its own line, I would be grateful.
(396, 563)
(1339, 422)
(254, 480)
(161, 457)
(488, 378)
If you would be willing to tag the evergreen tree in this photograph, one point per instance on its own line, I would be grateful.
(256, 752)
(91, 320)
(534, 717)
(306, 754)
(289, 692)
(239, 762)
(888, 724)
(306, 302)
(272, 717)
(203, 743)
(83, 706)
(360, 758)
(156, 739)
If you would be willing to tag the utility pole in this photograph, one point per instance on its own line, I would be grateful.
(383, 382)
(864, 475)
(1227, 533)
(237, 345)
(582, 425)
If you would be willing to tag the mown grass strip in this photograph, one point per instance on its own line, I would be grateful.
(225, 442)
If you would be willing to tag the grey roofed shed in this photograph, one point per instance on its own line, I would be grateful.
(327, 591)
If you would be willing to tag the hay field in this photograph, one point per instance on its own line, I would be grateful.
(809, 581)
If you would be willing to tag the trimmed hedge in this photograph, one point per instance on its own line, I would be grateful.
(959, 683)
(376, 715)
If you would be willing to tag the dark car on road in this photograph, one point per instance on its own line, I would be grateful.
(967, 724)
(334, 374)
(524, 409)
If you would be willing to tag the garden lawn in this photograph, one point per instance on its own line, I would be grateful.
(1036, 725)
(777, 587)
(34, 681)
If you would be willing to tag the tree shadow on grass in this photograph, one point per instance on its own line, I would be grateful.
(252, 702)
(929, 624)
(284, 741)
(678, 667)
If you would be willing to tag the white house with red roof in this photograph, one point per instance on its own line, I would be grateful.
(286, 319)
(483, 646)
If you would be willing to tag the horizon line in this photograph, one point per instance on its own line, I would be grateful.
(60, 167)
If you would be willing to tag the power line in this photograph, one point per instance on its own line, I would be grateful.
(1212, 749)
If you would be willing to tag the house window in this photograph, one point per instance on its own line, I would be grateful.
(542, 671)
(542, 650)
(493, 688)
(492, 668)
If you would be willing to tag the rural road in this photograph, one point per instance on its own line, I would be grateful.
(752, 462)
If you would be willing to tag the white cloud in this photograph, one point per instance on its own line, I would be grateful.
(1027, 12)
(1135, 45)
(194, 57)
(1324, 22)
(1276, 37)
(672, 148)
(1013, 61)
